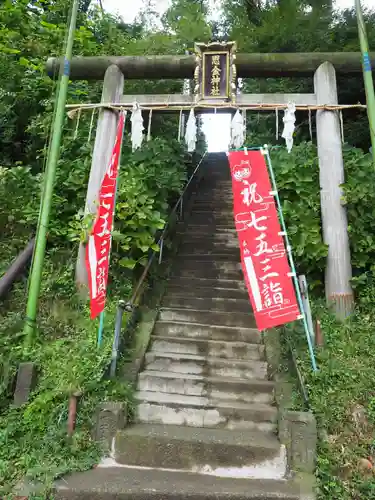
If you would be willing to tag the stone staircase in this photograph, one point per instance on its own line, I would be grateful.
(206, 423)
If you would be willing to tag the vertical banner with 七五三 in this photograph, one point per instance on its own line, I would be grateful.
(263, 255)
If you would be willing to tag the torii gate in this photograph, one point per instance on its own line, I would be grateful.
(114, 70)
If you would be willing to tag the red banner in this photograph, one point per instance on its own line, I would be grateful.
(99, 245)
(264, 261)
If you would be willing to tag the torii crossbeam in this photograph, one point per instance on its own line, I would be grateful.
(248, 65)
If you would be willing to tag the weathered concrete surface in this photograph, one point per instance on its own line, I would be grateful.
(195, 411)
(214, 388)
(209, 304)
(198, 290)
(298, 431)
(191, 283)
(25, 384)
(110, 417)
(208, 348)
(215, 367)
(173, 447)
(239, 320)
(202, 331)
(118, 483)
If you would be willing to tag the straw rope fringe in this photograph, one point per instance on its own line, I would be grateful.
(75, 108)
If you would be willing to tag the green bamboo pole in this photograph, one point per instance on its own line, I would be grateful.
(367, 74)
(52, 159)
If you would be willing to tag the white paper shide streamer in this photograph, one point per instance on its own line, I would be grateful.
(137, 127)
(237, 130)
(191, 132)
(289, 120)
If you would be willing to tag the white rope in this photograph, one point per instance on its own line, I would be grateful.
(342, 127)
(149, 126)
(91, 126)
(77, 124)
(277, 124)
(244, 124)
(179, 127)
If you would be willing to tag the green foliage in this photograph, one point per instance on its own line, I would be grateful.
(148, 186)
(359, 197)
(297, 176)
(342, 398)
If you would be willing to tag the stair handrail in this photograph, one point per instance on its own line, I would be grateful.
(129, 305)
(16, 268)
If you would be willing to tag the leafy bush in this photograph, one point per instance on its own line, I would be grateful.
(359, 190)
(297, 176)
(150, 182)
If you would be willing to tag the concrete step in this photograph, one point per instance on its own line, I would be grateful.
(217, 205)
(207, 229)
(198, 262)
(203, 292)
(207, 218)
(209, 348)
(209, 186)
(209, 366)
(213, 388)
(196, 269)
(131, 483)
(197, 411)
(209, 209)
(239, 320)
(214, 194)
(217, 240)
(209, 332)
(215, 256)
(202, 243)
(216, 212)
(191, 283)
(173, 447)
(208, 304)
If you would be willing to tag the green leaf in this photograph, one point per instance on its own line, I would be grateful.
(128, 263)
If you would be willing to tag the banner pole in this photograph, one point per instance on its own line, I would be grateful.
(101, 328)
(48, 188)
(265, 152)
(367, 74)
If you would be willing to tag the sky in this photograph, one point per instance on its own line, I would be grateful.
(128, 9)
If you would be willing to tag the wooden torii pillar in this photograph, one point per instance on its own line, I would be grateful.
(323, 66)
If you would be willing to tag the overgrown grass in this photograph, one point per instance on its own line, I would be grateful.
(342, 397)
(33, 438)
